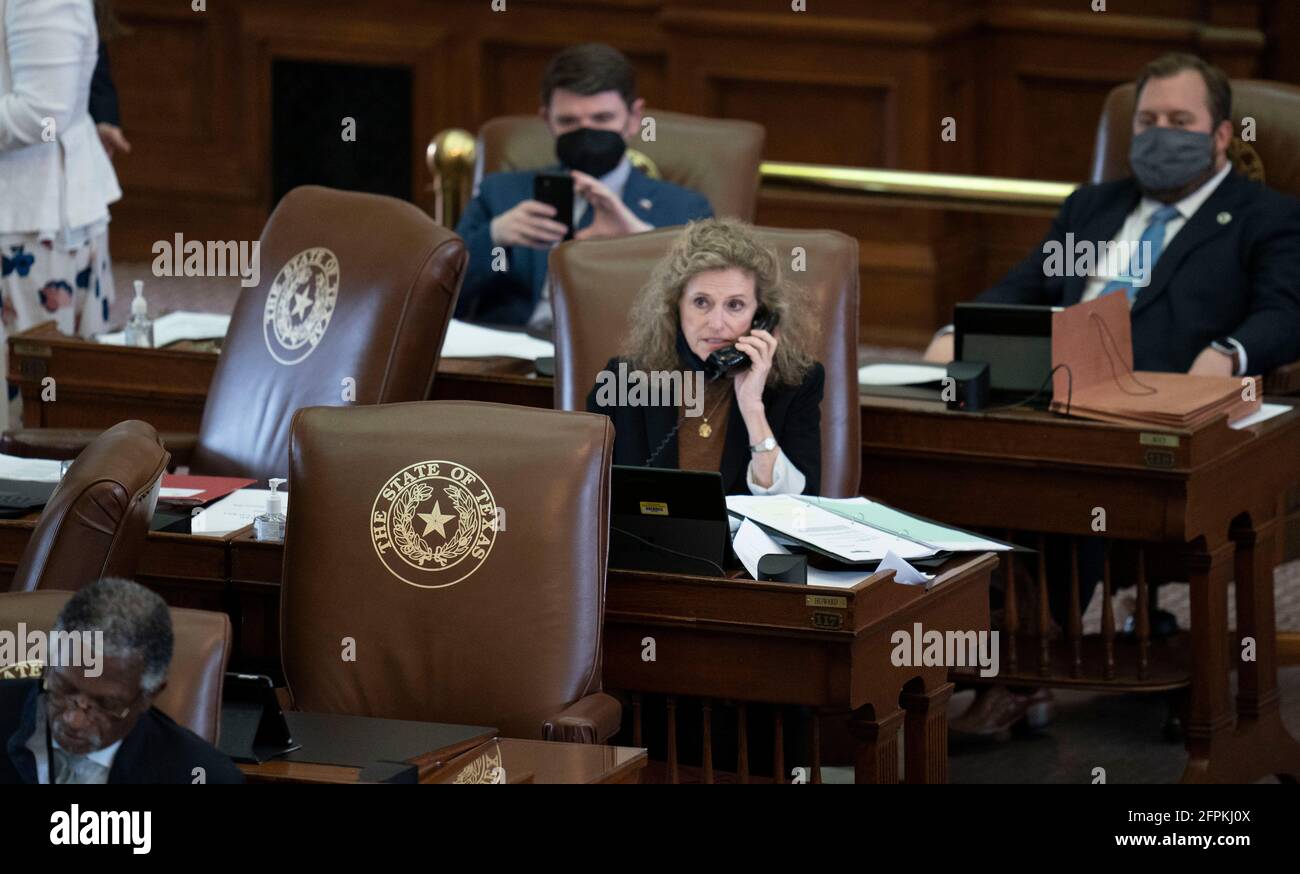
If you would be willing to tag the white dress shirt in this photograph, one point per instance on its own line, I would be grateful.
(1130, 233)
(786, 478)
(36, 743)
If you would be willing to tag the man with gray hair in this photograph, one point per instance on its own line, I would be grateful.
(99, 726)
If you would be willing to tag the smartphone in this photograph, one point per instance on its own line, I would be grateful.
(730, 359)
(556, 189)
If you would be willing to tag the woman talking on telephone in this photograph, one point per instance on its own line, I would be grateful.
(719, 292)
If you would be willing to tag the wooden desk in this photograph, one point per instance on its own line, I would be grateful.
(825, 649)
(725, 639)
(521, 761)
(1214, 494)
(97, 386)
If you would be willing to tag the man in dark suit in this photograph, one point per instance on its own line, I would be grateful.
(1221, 294)
(1213, 285)
(95, 722)
(589, 103)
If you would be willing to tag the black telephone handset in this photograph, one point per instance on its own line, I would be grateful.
(730, 359)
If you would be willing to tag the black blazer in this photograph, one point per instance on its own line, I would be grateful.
(156, 751)
(1232, 270)
(794, 412)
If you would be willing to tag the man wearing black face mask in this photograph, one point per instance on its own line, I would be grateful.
(589, 103)
(1220, 295)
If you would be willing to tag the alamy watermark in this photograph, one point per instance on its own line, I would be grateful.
(630, 387)
(1126, 261)
(182, 257)
(949, 649)
(25, 648)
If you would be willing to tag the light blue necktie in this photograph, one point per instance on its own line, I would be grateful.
(1153, 235)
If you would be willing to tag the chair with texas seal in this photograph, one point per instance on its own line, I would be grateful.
(399, 543)
(355, 296)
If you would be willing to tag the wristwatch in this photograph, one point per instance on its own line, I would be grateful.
(767, 445)
(1228, 347)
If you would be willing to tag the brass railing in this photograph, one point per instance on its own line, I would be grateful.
(451, 156)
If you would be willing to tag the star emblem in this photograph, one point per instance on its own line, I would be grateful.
(301, 302)
(437, 519)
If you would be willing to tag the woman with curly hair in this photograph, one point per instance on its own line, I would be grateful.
(760, 426)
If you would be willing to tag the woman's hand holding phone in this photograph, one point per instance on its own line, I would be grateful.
(760, 346)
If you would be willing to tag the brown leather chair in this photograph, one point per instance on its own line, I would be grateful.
(716, 157)
(394, 276)
(452, 621)
(192, 696)
(1274, 156)
(593, 284)
(96, 521)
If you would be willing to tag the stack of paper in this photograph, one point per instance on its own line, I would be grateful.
(1092, 358)
(883, 517)
(901, 374)
(39, 470)
(174, 327)
(843, 538)
(234, 511)
(752, 543)
(465, 340)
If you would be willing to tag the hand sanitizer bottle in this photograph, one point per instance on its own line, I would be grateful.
(270, 525)
(139, 328)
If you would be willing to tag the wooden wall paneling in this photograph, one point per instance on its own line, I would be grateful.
(1044, 94)
(859, 82)
(1282, 31)
(421, 47)
(190, 170)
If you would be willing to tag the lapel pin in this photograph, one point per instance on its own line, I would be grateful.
(1225, 217)
(645, 203)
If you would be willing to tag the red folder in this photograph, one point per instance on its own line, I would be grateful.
(210, 488)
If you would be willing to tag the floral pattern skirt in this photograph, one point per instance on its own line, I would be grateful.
(46, 279)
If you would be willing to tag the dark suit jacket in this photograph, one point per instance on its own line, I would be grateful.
(793, 412)
(509, 297)
(1239, 278)
(103, 93)
(156, 751)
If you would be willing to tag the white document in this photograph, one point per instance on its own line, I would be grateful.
(234, 511)
(901, 374)
(177, 326)
(165, 492)
(903, 572)
(883, 517)
(849, 540)
(37, 470)
(1263, 414)
(752, 543)
(465, 340)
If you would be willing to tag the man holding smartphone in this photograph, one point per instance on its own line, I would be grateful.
(589, 103)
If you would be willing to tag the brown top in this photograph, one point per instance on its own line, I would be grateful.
(695, 451)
